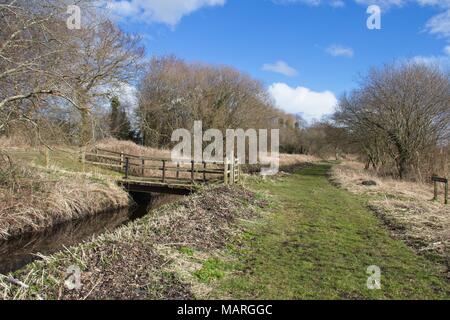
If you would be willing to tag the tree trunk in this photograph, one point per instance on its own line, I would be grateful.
(86, 129)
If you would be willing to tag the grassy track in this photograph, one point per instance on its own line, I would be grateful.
(317, 242)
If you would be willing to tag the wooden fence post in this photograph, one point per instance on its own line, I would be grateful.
(225, 170)
(127, 167)
(445, 182)
(192, 171)
(446, 192)
(164, 171)
(435, 190)
(204, 171)
(143, 167)
(178, 170)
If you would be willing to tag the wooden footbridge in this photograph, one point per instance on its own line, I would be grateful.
(163, 175)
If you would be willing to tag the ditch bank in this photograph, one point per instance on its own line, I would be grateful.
(19, 251)
(137, 260)
(33, 198)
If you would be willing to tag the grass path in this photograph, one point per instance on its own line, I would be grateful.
(317, 242)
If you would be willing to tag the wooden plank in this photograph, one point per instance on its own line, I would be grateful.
(158, 179)
(104, 164)
(102, 156)
(156, 183)
(438, 179)
(175, 169)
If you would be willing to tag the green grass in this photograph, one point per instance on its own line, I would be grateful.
(317, 243)
(65, 160)
(187, 251)
(212, 269)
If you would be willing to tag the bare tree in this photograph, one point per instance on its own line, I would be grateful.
(174, 94)
(42, 60)
(400, 111)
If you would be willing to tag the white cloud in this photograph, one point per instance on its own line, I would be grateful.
(439, 24)
(280, 67)
(314, 3)
(384, 4)
(447, 50)
(340, 51)
(168, 12)
(300, 100)
(307, 2)
(441, 61)
(337, 3)
(441, 3)
(128, 95)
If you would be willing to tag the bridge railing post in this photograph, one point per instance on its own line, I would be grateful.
(204, 171)
(225, 173)
(127, 167)
(164, 171)
(192, 171)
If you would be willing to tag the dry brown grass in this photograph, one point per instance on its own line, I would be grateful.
(130, 147)
(12, 142)
(33, 198)
(406, 207)
(287, 160)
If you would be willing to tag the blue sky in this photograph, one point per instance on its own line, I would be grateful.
(306, 52)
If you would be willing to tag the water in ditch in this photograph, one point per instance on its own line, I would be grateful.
(18, 252)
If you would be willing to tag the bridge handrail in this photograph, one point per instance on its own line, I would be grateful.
(180, 160)
(230, 171)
